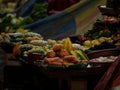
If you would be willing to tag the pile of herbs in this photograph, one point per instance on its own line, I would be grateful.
(39, 11)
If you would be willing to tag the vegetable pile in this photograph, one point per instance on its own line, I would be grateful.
(10, 21)
(39, 11)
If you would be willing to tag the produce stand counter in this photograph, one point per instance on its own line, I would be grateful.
(67, 78)
(77, 78)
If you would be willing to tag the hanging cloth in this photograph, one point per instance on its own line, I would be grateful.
(111, 78)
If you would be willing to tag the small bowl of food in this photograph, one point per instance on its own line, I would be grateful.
(103, 57)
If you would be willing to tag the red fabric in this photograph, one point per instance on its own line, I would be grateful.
(116, 82)
(73, 2)
(59, 5)
(113, 73)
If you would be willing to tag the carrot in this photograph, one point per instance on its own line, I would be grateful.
(57, 63)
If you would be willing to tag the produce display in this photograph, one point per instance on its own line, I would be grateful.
(11, 21)
(39, 11)
(31, 47)
(9, 6)
(104, 34)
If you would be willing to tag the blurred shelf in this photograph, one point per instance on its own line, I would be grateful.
(108, 11)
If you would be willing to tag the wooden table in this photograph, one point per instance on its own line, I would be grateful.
(84, 78)
(63, 78)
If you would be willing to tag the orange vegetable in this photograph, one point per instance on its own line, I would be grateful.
(57, 47)
(48, 60)
(71, 59)
(63, 53)
(16, 49)
(51, 54)
(57, 63)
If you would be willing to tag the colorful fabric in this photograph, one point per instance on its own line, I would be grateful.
(65, 23)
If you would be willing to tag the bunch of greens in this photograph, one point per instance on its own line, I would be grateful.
(39, 11)
(11, 21)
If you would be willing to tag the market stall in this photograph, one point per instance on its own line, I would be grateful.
(57, 58)
(60, 64)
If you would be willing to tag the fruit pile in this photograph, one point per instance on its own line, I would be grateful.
(51, 52)
(64, 56)
(104, 34)
(60, 56)
(32, 47)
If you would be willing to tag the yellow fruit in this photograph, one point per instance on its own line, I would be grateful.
(22, 30)
(51, 42)
(73, 53)
(95, 42)
(82, 55)
(68, 44)
(65, 44)
(46, 49)
(25, 53)
(109, 40)
(101, 39)
(87, 43)
(70, 47)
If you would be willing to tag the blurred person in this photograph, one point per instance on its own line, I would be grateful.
(54, 6)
